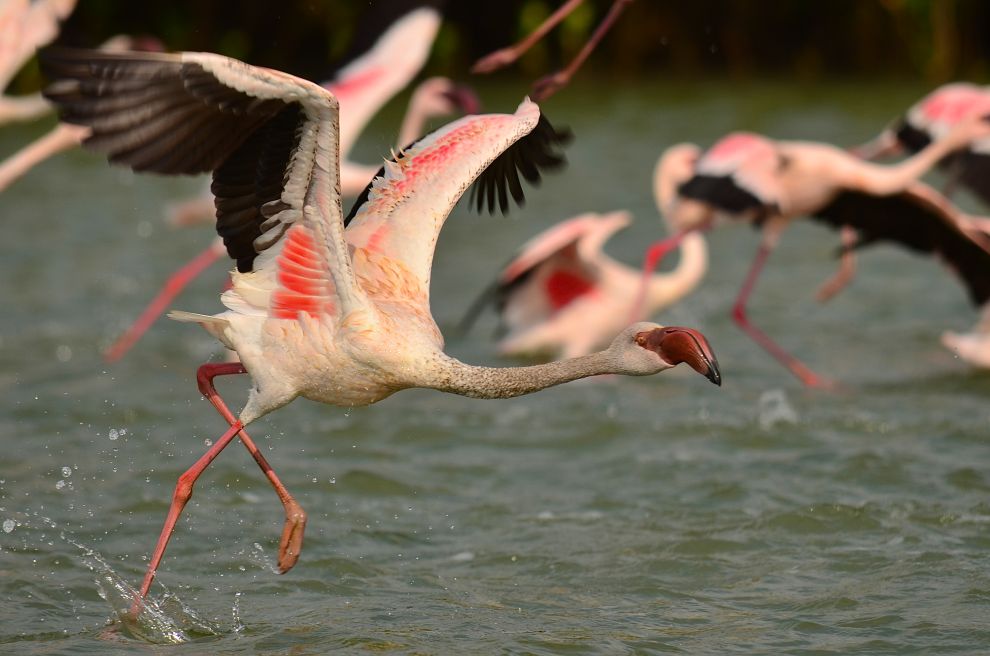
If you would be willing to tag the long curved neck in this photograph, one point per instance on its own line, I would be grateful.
(883, 180)
(665, 288)
(457, 377)
(413, 123)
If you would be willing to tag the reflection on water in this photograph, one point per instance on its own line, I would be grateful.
(627, 515)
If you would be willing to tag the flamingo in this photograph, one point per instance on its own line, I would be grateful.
(931, 118)
(771, 183)
(562, 295)
(26, 26)
(400, 34)
(551, 84)
(331, 308)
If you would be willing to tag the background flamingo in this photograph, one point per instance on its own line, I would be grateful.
(551, 84)
(931, 118)
(396, 39)
(563, 296)
(772, 183)
(337, 317)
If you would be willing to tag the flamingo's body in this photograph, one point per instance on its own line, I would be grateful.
(330, 308)
(772, 183)
(563, 296)
(550, 84)
(931, 119)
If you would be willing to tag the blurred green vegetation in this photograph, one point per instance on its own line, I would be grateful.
(932, 40)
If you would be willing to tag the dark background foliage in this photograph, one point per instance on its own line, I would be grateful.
(933, 40)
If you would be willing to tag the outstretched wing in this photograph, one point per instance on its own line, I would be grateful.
(269, 138)
(921, 220)
(403, 209)
(26, 26)
(565, 251)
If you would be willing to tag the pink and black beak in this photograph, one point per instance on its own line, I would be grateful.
(675, 345)
(464, 98)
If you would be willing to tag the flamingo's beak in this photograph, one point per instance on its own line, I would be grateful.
(883, 145)
(675, 345)
(464, 98)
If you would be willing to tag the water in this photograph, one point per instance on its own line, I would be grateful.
(624, 516)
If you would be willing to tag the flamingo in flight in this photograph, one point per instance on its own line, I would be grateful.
(551, 84)
(562, 295)
(331, 308)
(771, 183)
(930, 119)
(391, 45)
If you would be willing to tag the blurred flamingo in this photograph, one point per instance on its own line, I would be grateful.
(26, 26)
(930, 119)
(396, 38)
(551, 84)
(561, 295)
(332, 308)
(771, 183)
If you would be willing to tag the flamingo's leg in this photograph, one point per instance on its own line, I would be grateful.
(295, 518)
(551, 84)
(183, 492)
(173, 286)
(798, 368)
(500, 58)
(290, 544)
(847, 268)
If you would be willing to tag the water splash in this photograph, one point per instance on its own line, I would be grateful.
(775, 409)
(162, 620)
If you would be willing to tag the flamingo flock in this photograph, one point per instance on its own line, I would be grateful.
(334, 306)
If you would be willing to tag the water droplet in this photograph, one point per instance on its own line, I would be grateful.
(9, 525)
(114, 434)
(66, 472)
(60, 485)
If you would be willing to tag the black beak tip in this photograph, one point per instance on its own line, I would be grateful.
(714, 374)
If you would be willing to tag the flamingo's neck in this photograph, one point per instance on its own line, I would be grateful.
(457, 377)
(666, 288)
(413, 122)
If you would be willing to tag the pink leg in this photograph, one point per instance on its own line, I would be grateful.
(806, 375)
(295, 521)
(505, 56)
(290, 545)
(175, 284)
(847, 268)
(551, 84)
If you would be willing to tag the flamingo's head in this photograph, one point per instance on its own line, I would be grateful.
(646, 348)
(441, 96)
(886, 144)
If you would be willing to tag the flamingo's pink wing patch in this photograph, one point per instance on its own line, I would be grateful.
(303, 277)
(565, 286)
(356, 82)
